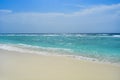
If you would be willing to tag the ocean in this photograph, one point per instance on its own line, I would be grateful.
(94, 47)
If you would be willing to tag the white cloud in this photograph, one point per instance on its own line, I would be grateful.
(99, 9)
(101, 18)
(5, 11)
(76, 5)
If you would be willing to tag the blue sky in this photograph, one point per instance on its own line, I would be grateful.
(59, 16)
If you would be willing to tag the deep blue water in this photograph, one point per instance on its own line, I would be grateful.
(101, 47)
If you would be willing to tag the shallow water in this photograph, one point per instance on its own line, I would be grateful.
(101, 47)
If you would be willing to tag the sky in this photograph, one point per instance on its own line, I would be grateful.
(59, 16)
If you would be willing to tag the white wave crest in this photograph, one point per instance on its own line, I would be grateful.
(16, 48)
(116, 36)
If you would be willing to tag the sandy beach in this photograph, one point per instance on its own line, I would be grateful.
(23, 66)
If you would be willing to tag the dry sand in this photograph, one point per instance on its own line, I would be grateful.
(22, 66)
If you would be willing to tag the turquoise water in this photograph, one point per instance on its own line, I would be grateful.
(101, 47)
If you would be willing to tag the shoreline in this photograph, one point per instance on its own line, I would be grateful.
(22, 48)
(24, 66)
(49, 51)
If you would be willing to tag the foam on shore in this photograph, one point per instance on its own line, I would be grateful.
(22, 48)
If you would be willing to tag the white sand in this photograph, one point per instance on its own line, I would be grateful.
(18, 66)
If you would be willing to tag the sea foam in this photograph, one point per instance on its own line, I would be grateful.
(23, 48)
